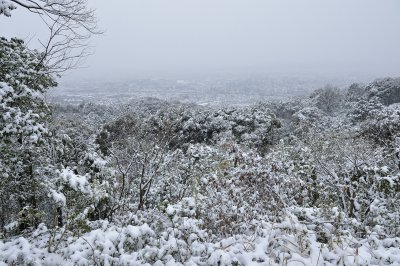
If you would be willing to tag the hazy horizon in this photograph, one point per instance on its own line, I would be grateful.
(179, 39)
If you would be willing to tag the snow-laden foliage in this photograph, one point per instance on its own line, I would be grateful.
(176, 238)
(23, 111)
(387, 90)
(5, 7)
(312, 181)
(23, 82)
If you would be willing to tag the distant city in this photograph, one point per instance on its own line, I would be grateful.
(234, 91)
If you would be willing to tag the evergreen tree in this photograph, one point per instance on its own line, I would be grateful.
(23, 82)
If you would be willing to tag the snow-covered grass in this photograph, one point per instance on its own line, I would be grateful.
(181, 241)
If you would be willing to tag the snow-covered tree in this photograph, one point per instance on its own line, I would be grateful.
(70, 24)
(328, 98)
(23, 129)
(6, 7)
(387, 90)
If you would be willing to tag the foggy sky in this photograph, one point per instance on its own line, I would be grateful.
(202, 37)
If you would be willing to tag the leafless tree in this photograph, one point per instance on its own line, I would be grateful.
(71, 24)
(328, 98)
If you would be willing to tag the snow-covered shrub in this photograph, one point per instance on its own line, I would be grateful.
(387, 90)
(172, 184)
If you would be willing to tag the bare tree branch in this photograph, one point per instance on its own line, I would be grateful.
(70, 25)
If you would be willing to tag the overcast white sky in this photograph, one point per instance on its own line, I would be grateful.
(201, 37)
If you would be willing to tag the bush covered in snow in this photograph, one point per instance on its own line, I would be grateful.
(312, 181)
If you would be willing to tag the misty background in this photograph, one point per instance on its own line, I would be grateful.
(225, 52)
(179, 38)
